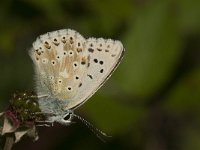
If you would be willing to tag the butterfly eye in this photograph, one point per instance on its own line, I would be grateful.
(67, 116)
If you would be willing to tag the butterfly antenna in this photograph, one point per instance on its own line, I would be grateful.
(96, 131)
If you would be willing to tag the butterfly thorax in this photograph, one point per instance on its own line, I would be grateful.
(53, 109)
(51, 105)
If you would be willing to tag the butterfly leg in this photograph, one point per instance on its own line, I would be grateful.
(45, 123)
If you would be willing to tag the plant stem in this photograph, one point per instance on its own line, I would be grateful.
(9, 143)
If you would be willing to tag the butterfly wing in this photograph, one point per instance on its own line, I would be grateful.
(70, 69)
(103, 56)
(57, 57)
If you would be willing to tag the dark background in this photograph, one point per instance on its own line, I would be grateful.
(152, 101)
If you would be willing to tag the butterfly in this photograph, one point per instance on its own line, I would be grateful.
(69, 69)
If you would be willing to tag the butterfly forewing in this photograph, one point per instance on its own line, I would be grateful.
(58, 57)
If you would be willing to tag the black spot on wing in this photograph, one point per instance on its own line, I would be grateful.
(90, 76)
(91, 50)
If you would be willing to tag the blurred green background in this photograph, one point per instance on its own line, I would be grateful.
(152, 101)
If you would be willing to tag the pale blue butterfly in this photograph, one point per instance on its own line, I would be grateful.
(70, 69)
